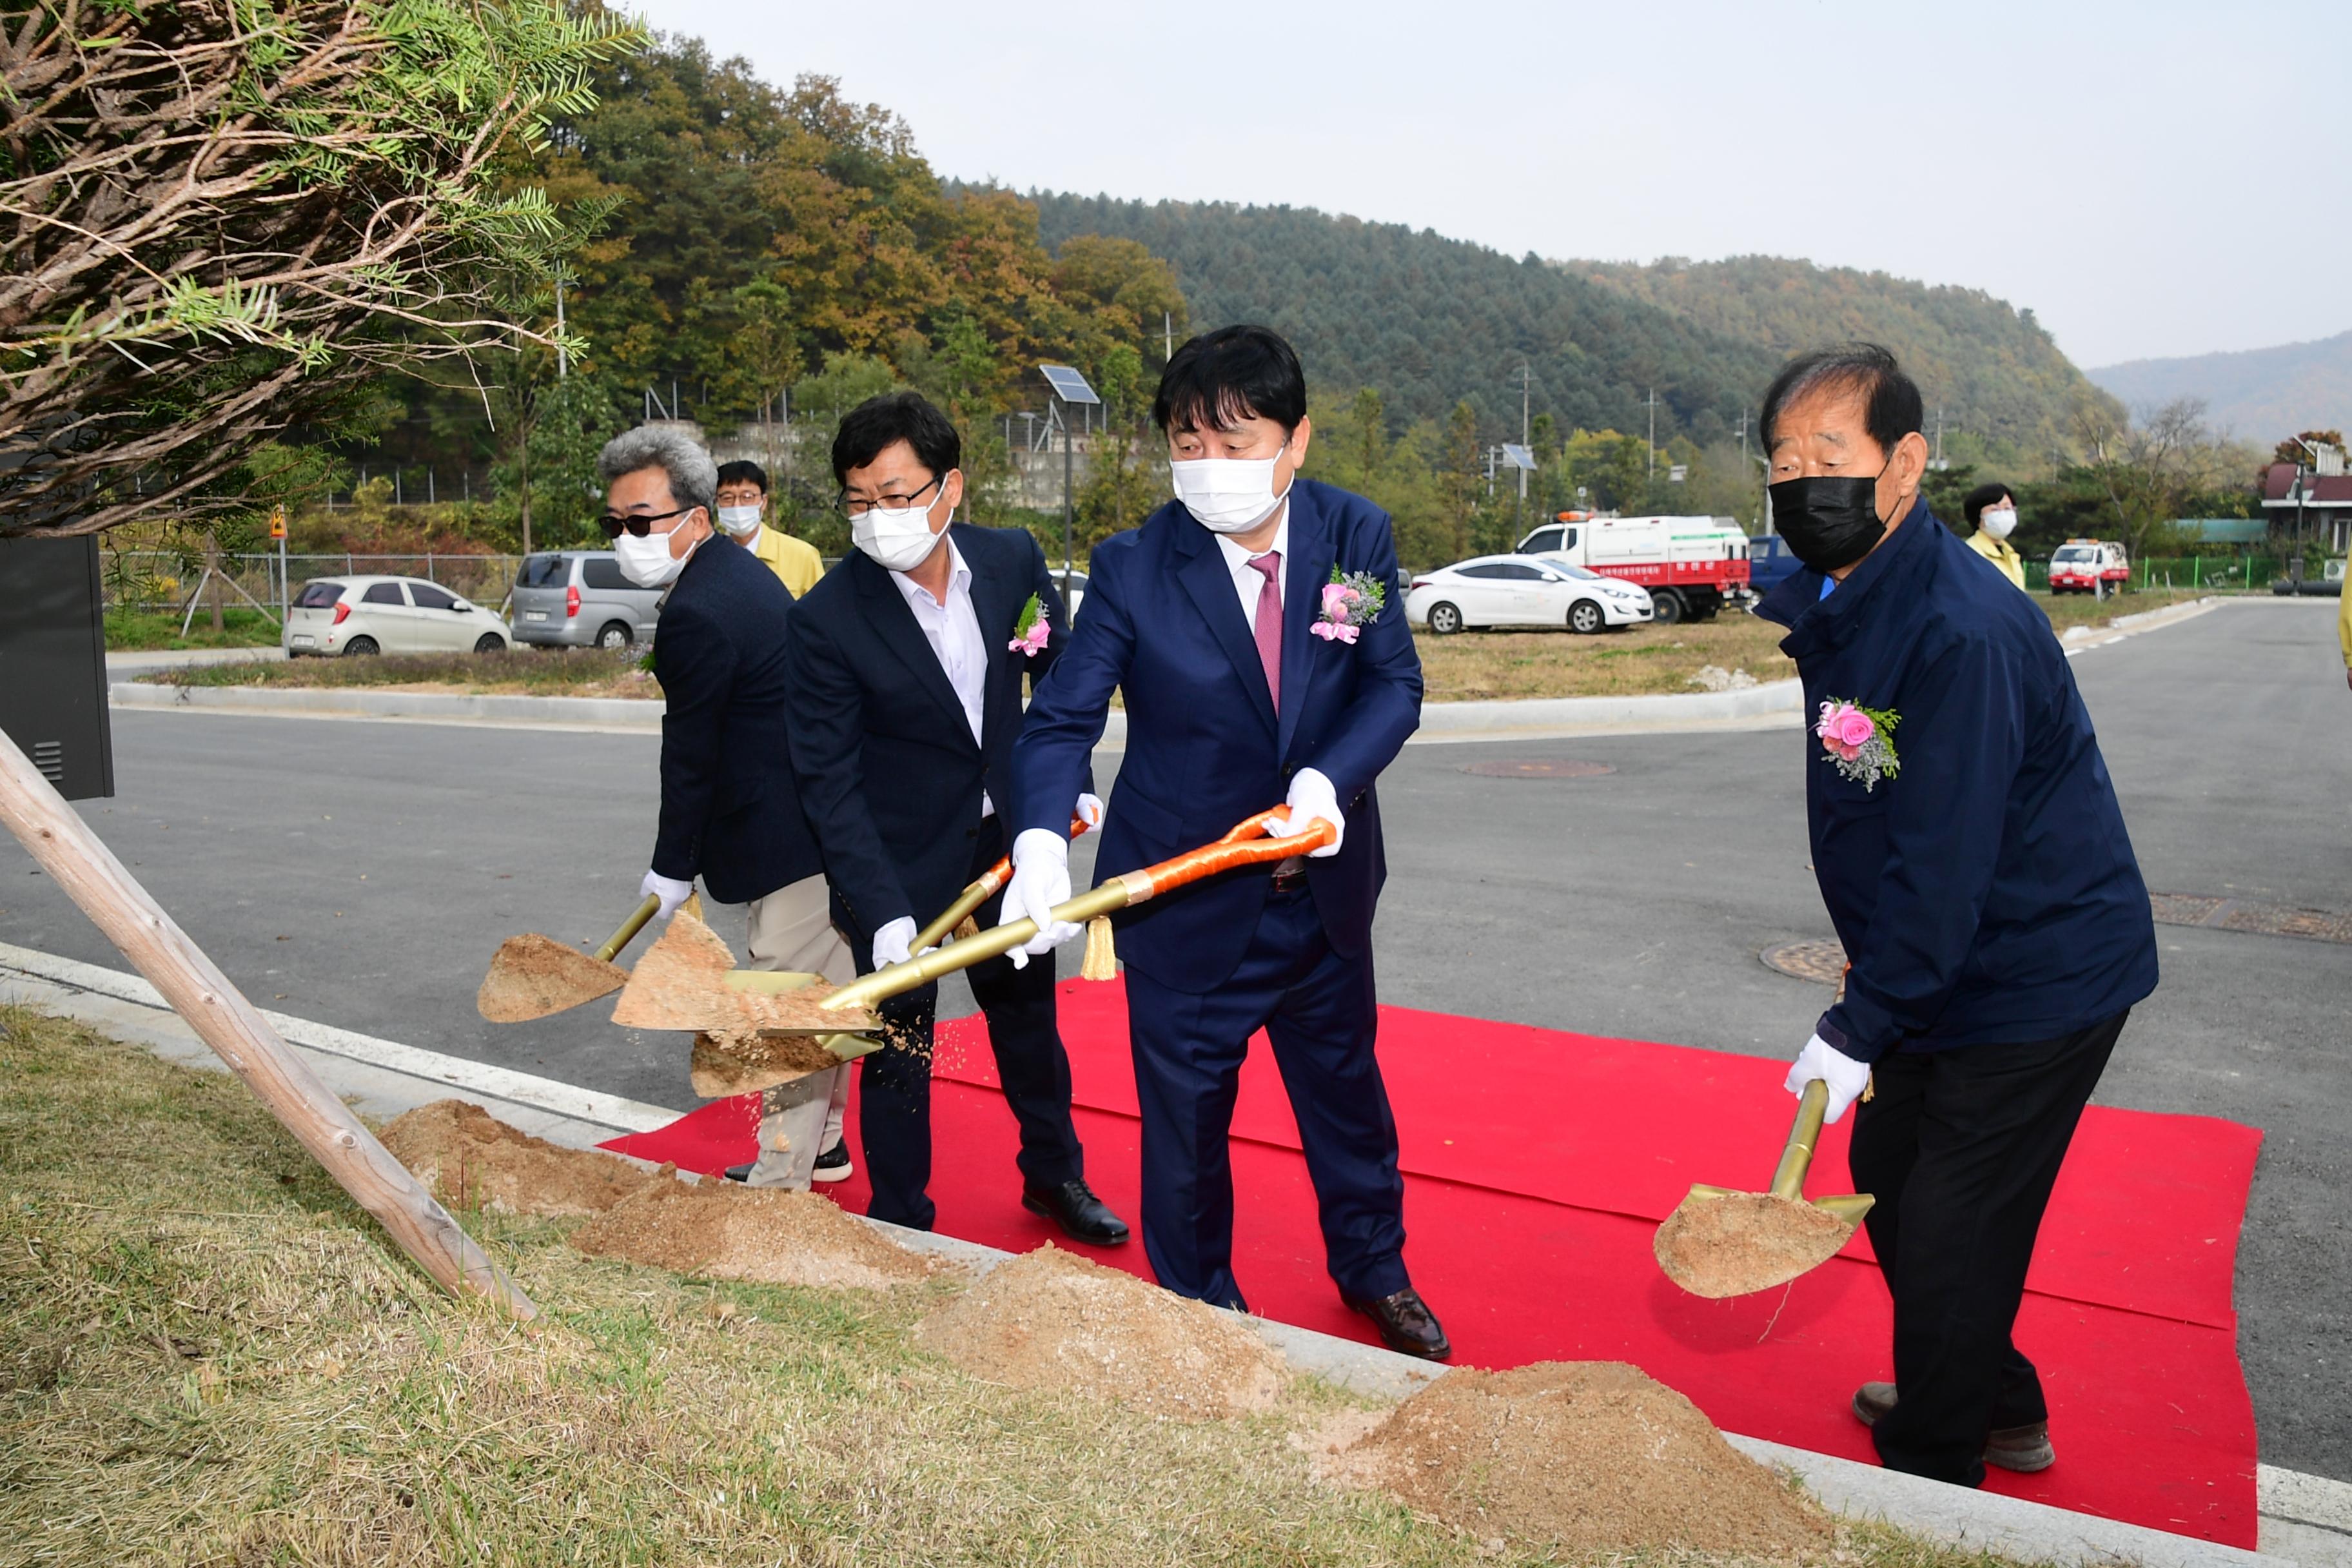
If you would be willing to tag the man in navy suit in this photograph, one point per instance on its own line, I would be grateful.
(909, 657)
(731, 810)
(1204, 619)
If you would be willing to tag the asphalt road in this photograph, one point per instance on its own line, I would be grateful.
(360, 874)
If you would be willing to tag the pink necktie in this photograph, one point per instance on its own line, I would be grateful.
(1268, 628)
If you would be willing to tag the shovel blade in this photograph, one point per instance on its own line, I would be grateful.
(534, 976)
(726, 1064)
(1718, 1243)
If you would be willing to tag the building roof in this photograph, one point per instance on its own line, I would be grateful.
(2330, 489)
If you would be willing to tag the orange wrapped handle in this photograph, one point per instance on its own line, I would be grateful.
(1246, 845)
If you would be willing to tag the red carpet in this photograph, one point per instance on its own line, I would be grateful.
(1538, 1164)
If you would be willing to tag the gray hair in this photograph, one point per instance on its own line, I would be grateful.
(693, 477)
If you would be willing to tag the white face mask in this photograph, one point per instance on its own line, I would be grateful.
(1227, 495)
(648, 561)
(898, 540)
(742, 521)
(1998, 523)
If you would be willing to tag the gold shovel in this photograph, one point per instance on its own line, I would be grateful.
(1722, 1242)
(752, 1032)
(532, 976)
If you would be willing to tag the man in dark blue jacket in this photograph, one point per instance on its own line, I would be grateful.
(911, 658)
(730, 811)
(1973, 857)
(1204, 619)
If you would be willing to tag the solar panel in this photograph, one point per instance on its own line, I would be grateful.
(1515, 457)
(1068, 383)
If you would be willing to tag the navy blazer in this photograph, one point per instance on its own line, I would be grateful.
(729, 806)
(1162, 624)
(1987, 892)
(889, 769)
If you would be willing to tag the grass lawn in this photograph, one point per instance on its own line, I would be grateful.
(549, 672)
(129, 630)
(211, 1356)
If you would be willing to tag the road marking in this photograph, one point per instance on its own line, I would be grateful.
(411, 1061)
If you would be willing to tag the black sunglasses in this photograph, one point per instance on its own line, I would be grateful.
(638, 527)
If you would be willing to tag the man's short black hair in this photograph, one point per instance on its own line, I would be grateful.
(1983, 497)
(743, 472)
(1234, 374)
(1892, 407)
(879, 422)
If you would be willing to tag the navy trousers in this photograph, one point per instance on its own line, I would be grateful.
(1961, 1148)
(1317, 1009)
(894, 1107)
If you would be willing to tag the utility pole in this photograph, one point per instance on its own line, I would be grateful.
(562, 359)
(1167, 336)
(1652, 473)
(1519, 517)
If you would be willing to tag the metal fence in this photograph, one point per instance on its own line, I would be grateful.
(158, 579)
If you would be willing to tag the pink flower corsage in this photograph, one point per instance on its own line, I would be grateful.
(1031, 631)
(1859, 742)
(1351, 601)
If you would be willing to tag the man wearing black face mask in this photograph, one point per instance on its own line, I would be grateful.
(1991, 976)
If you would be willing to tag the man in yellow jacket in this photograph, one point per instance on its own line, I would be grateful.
(1992, 512)
(742, 512)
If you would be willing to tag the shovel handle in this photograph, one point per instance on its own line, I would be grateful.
(971, 898)
(1788, 1180)
(1245, 845)
(630, 928)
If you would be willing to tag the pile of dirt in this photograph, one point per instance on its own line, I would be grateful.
(1049, 1320)
(730, 1232)
(1739, 1242)
(469, 1158)
(533, 976)
(1588, 1455)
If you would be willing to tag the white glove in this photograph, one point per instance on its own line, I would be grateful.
(1846, 1077)
(1041, 879)
(1091, 811)
(890, 941)
(668, 889)
(1312, 797)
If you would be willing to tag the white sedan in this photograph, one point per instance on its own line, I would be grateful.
(1523, 591)
(361, 615)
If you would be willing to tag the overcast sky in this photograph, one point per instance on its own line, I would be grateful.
(2151, 178)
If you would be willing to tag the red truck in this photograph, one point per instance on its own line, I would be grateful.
(2088, 566)
(1692, 566)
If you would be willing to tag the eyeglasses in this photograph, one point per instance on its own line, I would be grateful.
(637, 527)
(855, 506)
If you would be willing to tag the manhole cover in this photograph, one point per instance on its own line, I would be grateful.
(1538, 768)
(2215, 912)
(1822, 961)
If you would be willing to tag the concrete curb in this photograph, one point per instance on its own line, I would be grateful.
(385, 1076)
(1773, 701)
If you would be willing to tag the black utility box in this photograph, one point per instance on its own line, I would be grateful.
(53, 662)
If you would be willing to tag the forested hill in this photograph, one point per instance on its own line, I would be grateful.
(1993, 369)
(1430, 320)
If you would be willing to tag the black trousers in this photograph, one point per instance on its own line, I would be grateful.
(894, 1108)
(1961, 1148)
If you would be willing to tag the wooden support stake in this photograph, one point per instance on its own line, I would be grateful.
(115, 903)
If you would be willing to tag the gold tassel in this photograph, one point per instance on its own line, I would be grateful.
(970, 928)
(1101, 961)
(1869, 1088)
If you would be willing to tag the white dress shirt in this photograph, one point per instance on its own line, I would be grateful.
(1248, 582)
(953, 629)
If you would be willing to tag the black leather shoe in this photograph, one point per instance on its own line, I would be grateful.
(740, 1172)
(832, 1165)
(1406, 1324)
(2025, 1449)
(1074, 1206)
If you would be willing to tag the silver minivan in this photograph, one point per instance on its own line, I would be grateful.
(579, 598)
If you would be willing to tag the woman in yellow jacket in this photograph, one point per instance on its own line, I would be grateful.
(1992, 512)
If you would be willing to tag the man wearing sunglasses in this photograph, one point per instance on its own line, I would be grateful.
(909, 658)
(730, 811)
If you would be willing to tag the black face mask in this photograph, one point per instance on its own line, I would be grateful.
(1829, 521)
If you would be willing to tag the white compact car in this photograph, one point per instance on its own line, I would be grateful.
(1523, 591)
(387, 615)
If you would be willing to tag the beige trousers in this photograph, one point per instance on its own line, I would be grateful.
(792, 928)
